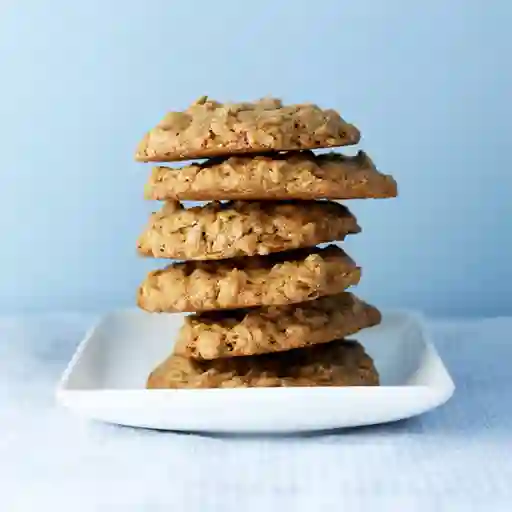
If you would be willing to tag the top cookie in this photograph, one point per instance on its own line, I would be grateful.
(209, 128)
(290, 175)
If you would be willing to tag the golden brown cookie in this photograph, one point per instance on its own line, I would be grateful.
(243, 228)
(254, 331)
(208, 128)
(338, 363)
(292, 175)
(279, 278)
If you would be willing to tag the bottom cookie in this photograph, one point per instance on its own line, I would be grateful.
(337, 363)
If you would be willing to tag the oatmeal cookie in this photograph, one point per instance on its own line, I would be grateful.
(243, 228)
(208, 128)
(279, 278)
(291, 175)
(254, 331)
(337, 363)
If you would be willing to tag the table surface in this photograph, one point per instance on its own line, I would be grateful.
(458, 457)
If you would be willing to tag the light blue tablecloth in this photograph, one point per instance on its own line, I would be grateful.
(458, 457)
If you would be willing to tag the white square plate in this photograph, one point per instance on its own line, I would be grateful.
(106, 377)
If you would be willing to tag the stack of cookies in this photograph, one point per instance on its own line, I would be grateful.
(270, 307)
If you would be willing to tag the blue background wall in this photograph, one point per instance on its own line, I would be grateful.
(427, 82)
